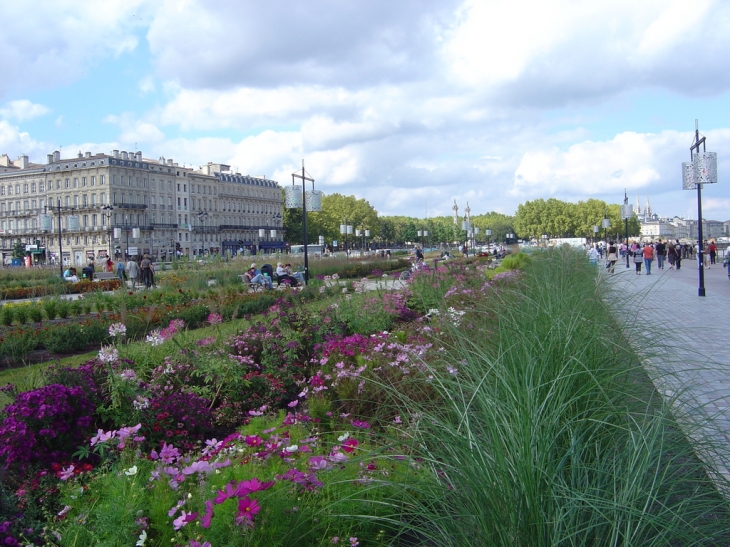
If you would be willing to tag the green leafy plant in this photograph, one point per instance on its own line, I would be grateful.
(50, 307)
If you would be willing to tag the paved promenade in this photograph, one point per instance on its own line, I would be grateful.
(685, 339)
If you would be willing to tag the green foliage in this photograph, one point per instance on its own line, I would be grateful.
(64, 308)
(539, 435)
(74, 337)
(35, 312)
(194, 316)
(50, 306)
(7, 315)
(21, 314)
(19, 345)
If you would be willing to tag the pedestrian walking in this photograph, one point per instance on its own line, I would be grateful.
(637, 257)
(661, 254)
(611, 257)
(133, 271)
(120, 271)
(678, 249)
(648, 254)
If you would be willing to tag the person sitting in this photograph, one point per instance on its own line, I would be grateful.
(419, 255)
(70, 275)
(283, 275)
(254, 275)
(299, 276)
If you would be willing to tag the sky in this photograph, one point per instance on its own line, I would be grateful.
(410, 104)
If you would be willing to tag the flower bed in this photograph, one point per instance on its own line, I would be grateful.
(320, 428)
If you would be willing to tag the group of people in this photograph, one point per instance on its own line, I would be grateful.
(142, 271)
(663, 251)
(284, 274)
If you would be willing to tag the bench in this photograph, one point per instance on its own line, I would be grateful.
(99, 276)
(255, 287)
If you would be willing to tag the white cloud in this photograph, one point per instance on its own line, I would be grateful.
(22, 109)
(588, 168)
(14, 142)
(50, 43)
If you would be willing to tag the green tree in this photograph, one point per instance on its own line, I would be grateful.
(18, 249)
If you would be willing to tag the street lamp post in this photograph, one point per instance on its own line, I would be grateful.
(108, 212)
(346, 229)
(545, 240)
(606, 223)
(489, 234)
(202, 215)
(595, 233)
(701, 170)
(626, 213)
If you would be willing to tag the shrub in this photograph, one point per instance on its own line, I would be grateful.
(194, 316)
(18, 344)
(7, 315)
(50, 306)
(66, 338)
(35, 313)
(64, 308)
(43, 426)
(21, 314)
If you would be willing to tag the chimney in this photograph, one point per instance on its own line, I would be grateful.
(115, 153)
(125, 156)
(57, 156)
(49, 158)
(139, 156)
(80, 154)
(88, 154)
(169, 162)
(23, 160)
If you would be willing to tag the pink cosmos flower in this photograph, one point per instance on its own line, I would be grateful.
(183, 519)
(206, 519)
(247, 510)
(349, 445)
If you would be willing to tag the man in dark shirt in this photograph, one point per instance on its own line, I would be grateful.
(146, 271)
(661, 253)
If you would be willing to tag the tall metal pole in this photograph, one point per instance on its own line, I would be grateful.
(60, 239)
(304, 224)
(700, 262)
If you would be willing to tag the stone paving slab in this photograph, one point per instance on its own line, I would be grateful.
(685, 339)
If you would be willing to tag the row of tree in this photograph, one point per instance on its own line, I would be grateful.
(533, 219)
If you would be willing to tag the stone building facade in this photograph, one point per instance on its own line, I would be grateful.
(123, 204)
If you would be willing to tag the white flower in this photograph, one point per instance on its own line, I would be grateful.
(141, 403)
(117, 329)
(142, 538)
(131, 471)
(108, 355)
(154, 338)
(292, 448)
(343, 437)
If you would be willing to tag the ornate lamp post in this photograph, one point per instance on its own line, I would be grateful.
(346, 229)
(108, 212)
(606, 223)
(701, 170)
(202, 215)
(626, 213)
(595, 233)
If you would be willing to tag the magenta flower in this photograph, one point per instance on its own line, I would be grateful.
(247, 510)
(183, 519)
(206, 519)
(360, 424)
(349, 445)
